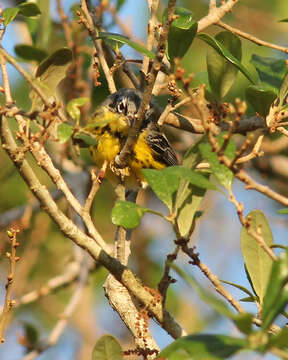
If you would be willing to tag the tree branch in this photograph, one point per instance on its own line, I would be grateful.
(122, 158)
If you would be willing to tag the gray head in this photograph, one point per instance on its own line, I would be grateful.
(127, 102)
(124, 101)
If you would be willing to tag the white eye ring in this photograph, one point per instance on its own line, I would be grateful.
(122, 106)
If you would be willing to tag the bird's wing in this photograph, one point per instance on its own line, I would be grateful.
(160, 145)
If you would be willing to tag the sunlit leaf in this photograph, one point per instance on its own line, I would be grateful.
(203, 347)
(181, 33)
(127, 214)
(188, 196)
(73, 107)
(84, 139)
(221, 49)
(240, 287)
(261, 98)
(283, 90)
(257, 261)
(107, 348)
(276, 296)
(163, 184)
(49, 74)
(125, 40)
(64, 132)
(222, 173)
(193, 177)
(59, 58)
(283, 211)
(222, 72)
(9, 15)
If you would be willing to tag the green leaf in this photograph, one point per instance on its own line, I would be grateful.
(203, 347)
(29, 9)
(242, 321)
(279, 339)
(73, 107)
(222, 173)
(221, 49)
(257, 261)
(125, 40)
(284, 20)
(107, 348)
(283, 211)
(127, 214)
(59, 58)
(261, 98)
(193, 177)
(188, 196)
(181, 33)
(31, 334)
(49, 74)
(271, 71)
(283, 90)
(240, 287)
(163, 184)
(276, 296)
(249, 299)
(43, 34)
(222, 72)
(84, 139)
(28, 52)
(278, 246)
(9, 15)
(64, 132)
(119, 4)
(216, 303)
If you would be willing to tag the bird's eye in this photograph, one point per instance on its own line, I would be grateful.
(121, 108)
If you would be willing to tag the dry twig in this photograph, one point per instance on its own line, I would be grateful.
(8, 302)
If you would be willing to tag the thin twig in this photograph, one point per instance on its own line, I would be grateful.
(215, 14)
(247, 224)
(122, 158)
(151, 33)
(16, 213)
(89, 23)
(254, 153)
(251, 37)
(120, 272)
(8, 302)
(26, 76)
(207, 272)
(166, 279)
(212, 5)
(65, 24)
(96, 182)
(58, 282)
(283, 130)
(170, 107)
(68, 312)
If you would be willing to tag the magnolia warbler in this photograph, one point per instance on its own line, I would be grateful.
(110, 125)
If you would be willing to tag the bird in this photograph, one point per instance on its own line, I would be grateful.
(110, 125)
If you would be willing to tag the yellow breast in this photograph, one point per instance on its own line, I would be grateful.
(107, 148)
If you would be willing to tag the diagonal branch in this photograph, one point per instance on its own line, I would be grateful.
(122, 158)
(215, 14)
(251, 37)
